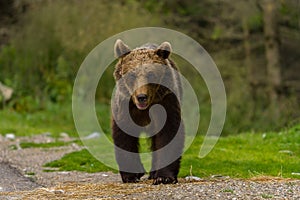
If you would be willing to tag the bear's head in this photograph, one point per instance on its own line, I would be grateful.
(139, 71)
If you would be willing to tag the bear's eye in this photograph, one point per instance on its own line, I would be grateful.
(131, 76)
(151, 76)
(130, 79)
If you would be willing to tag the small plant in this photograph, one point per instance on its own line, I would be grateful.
(25, 145)
(228, 191)
(30, 173)
(267, 196)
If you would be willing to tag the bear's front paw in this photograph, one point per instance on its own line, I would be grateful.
(130, 180)
(131, 177)
(152, 175)
(165, 180)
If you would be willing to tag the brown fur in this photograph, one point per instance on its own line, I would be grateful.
(129, 63)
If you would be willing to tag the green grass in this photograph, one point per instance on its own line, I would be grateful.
(247, 155)
(240, 156)
(80, 161)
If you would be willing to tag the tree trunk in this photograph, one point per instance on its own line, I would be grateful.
(270, 8)
(252, 80)
(272, 47)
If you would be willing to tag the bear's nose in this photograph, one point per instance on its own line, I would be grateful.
(142, 98)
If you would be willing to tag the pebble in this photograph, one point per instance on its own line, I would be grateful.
(218, 176)
(10, 136)
(42, 138)
(64, 172)
(286, 152)
(92, 136)
(59, 192)
(192, 178)
(65, 137)
(47, 134)
(54, 191)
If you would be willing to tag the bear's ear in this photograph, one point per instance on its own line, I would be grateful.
(164, 50)
(121, 49)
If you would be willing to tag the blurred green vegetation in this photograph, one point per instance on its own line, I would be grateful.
(55, 120)
(46, 49)
(50, 39)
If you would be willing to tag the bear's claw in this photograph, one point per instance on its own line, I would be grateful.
(165, 180)
(131, 180)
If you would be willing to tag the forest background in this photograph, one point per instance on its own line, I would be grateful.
(255, 45)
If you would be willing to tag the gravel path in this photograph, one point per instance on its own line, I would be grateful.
(207, 189)
(16, 183)
(12, 179)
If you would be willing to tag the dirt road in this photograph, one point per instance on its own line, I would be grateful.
(12, 180)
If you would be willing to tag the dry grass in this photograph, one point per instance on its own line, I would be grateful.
(83, 191)
(270, 179)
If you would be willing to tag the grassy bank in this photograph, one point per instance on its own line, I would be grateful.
(247, 155)
(240, 156)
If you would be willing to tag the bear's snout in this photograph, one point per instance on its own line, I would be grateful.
(142, 98)
(141, 101)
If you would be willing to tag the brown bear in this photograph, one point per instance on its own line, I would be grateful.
(147, 77)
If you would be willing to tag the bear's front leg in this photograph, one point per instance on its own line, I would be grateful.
(163, 170)
(167, 146)
(126, 152)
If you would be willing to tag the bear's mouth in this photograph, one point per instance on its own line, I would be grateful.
(142, 106)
